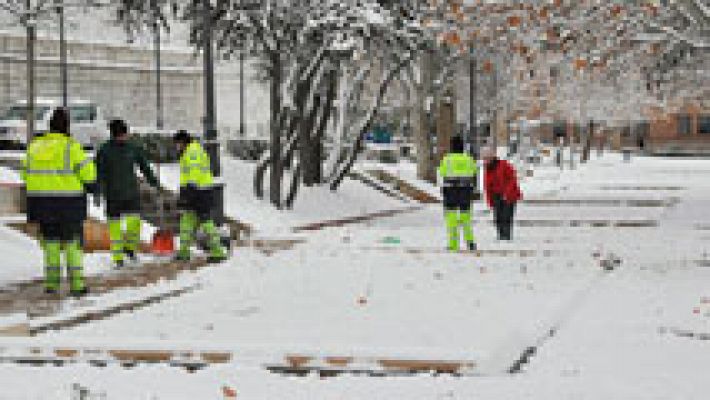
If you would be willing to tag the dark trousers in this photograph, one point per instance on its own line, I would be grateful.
(64, 232)
(115, 208)
(504, 214)
(457, 197)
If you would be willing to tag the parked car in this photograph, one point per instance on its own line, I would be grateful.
(88, 125)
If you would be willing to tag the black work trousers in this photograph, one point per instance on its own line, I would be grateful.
(504, 214)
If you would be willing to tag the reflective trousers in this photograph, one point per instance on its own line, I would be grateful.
(457, 221)
(189, 225)
(125, 234)
(53, 264)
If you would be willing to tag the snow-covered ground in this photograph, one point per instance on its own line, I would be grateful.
(312, 205)
(386, 288)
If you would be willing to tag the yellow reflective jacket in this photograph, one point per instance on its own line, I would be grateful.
(458, 169)
(56, 166)
(195, 167)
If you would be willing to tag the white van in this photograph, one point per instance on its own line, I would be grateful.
(88, 125)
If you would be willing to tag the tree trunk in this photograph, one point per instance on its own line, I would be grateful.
(337, 155)
(367, 123)
(588, 143)
(276, 174)
(425, 166)
(445, 121)
(259, 174)
(326, 116)
(293, 190)
(307, 156)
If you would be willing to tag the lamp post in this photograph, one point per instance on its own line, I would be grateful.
(63, 75)
(31, 36)
(209, 121)
(242, 130)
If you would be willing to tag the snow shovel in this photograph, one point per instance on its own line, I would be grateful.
(163, 243)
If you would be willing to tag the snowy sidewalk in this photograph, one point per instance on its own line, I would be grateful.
(356, 291)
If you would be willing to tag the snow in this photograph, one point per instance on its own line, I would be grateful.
(613, 331)
(9, 176)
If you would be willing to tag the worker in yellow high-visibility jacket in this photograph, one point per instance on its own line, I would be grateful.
(458, 172)
(57, 172)
(196, 198)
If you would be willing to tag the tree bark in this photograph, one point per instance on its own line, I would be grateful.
(445, 120)
(276, 173)
(293, 190)
(325, 116)
(367, 123)
(337, 153)
(422, 131)
(307, 158)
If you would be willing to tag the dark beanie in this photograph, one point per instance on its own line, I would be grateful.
(182, 137)
(117, 127)
(59, 123)
(457, 144)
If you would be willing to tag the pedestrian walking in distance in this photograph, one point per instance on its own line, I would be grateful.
(57, 174)
(502, 192)
(117, 162)
(457, 172)
(196, 198)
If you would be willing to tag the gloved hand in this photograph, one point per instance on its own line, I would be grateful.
(92, 188)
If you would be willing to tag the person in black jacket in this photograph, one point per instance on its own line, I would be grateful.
(116, 164)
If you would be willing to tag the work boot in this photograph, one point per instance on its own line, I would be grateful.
(217, 255)
(119, 264)
(77, 293)
(183, 255)
(131, 254)
(217, 251)
(472, 246)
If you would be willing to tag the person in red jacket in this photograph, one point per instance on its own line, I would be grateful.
(502, 192)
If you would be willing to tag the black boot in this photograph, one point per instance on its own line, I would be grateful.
(79, 293)
(131, 255)
(472, 246)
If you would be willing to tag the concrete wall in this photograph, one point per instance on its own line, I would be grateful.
(120, 79)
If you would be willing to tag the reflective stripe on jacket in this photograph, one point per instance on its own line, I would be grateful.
(195, 167)
(458, 169)
(56, 166)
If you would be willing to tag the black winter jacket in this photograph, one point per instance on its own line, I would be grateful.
(116, 164)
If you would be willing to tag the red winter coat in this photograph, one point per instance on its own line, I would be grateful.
(500, 178)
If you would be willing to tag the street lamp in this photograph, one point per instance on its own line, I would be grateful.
(30, 21)
(242, 130)
(210, 121)
(159, 120)
(63, 75)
